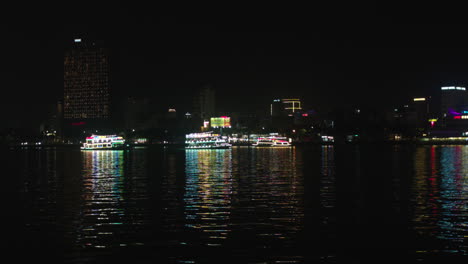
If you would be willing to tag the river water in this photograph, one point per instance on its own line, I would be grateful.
(305, 204)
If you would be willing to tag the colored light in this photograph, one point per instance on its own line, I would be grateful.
(78, 123)
(223, 121)
(419, 99)
(457, 117)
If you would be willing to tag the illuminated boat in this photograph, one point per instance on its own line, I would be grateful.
(103, 142)
(271, 142)
(281, 143)
(206, 140)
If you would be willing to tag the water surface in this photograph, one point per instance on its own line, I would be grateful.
(325, 204)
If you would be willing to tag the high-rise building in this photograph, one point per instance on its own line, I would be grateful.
(421, 111)
(86, 82)
(205, 102)
(285, 107)
(452, 99)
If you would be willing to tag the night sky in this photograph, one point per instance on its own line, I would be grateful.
(326, 55)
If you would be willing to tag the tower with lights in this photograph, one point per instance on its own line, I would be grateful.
(86, 82)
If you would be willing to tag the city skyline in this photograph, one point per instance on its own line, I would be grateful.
(327, 58)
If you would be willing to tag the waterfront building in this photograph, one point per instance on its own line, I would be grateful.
(452, 99)
(421, 112)
(285, 107)
(86, 89)
(86, 82)
(204, 103)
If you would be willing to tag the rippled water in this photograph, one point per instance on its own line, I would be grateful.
(325, 204)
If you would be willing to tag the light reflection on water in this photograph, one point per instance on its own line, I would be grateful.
(440, 198)
(208, 193)
(102, 197)
(251, 204)
(244, 198)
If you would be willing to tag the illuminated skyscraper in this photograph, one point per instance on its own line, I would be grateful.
(86, 82)
(285, 107)
(452, 99)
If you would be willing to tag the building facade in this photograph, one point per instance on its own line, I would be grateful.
(452, 99)
(285, 107)
(204, 104)
(86, 82)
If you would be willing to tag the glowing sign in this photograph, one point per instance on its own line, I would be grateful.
(223, 121)
(453, 88)
(77, 40)
(419, 99)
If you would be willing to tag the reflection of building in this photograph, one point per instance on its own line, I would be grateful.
(86, 82)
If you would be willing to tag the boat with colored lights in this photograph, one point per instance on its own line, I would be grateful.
(206, 140)
(271, 142)
(104, 142)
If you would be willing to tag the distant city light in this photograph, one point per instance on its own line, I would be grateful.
(78, 123)
(453, 88)
(461, 117)
(419, 99)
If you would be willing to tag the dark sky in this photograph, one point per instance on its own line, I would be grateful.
(327, 55)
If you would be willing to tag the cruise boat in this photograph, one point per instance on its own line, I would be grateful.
(281, 143)
(271, 142)
(206, 140)
(103, 142)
